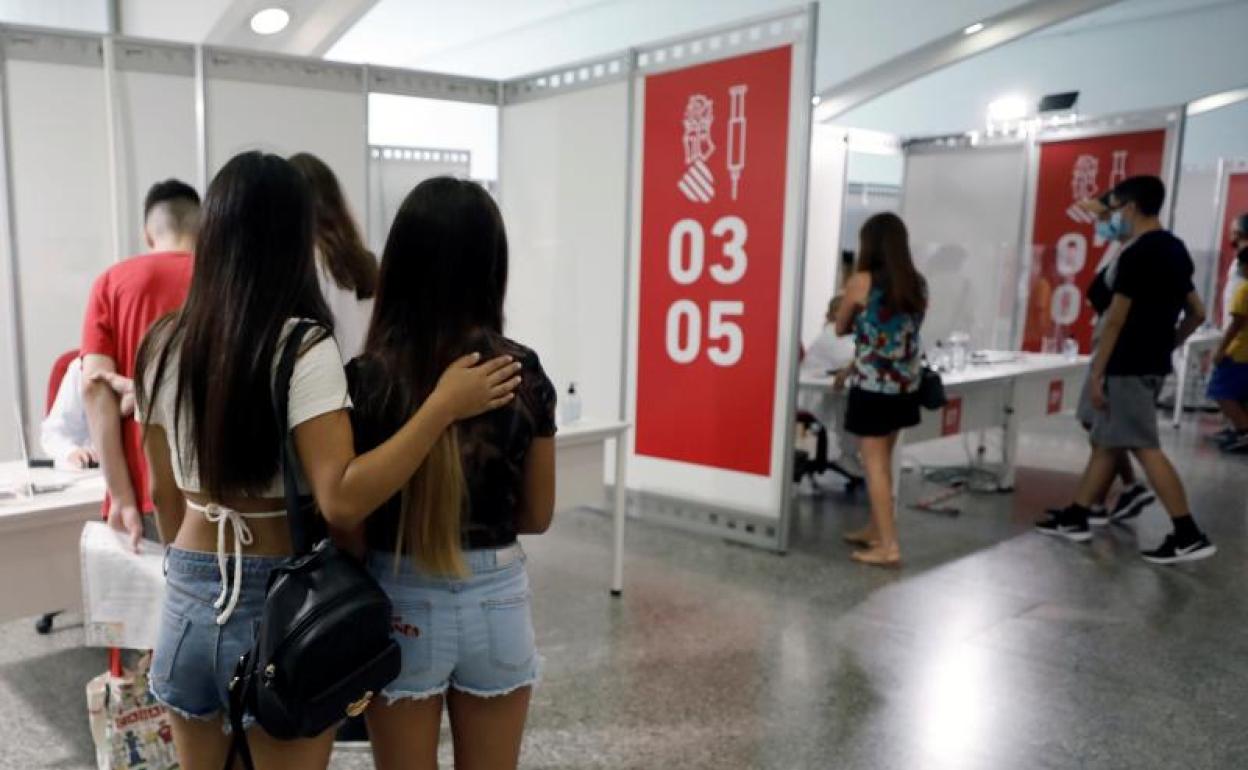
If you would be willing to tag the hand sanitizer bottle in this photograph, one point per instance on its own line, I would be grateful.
(570, 406)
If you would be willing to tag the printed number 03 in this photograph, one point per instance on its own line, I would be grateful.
(684, 317)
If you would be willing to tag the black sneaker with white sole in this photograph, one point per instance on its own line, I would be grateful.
(1171, 551)
(1237, 444)
(1131, 503)
(1098, 516)
(1066, 523)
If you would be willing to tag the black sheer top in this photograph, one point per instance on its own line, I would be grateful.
(493, 446)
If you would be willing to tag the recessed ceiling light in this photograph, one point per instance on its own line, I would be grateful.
(976, 27)
(816, 99)
(270, 21)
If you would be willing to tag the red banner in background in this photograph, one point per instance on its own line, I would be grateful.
(1065, 251)
(1236, 193)
(715, 152)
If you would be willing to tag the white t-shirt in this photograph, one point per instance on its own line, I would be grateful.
(65, 427)
(318, 385)
(351, 314)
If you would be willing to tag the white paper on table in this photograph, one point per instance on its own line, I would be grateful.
(122, 592)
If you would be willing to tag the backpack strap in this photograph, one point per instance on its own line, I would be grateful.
(298, 516)
(240, 691)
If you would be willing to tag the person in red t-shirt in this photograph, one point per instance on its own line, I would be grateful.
(125, 301)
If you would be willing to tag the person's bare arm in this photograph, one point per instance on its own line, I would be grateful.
(349, 487)
(537, 505)
(1115, 318)
(1193, 316)
(1233, 330)
(856, 291)
(168, 499)
(104, 422)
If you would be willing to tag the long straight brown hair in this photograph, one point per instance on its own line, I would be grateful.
(352, 266)
(253, 271)
(884, 252)
(443, 281)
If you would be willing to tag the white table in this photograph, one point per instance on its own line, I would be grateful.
(1202, 343)
(1002, 394)
(580, 460)
(39, 566)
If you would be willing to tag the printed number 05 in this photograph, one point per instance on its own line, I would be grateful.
(684, 332)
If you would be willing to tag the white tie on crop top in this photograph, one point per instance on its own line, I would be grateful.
(231, 586)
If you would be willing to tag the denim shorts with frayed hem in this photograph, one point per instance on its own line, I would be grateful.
(194, 658)
(474, 634)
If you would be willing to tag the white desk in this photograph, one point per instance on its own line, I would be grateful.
(39, 566)
(991, 395)
(1200, 345)
(580, 459)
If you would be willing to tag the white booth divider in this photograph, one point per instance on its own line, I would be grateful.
(963, 205)
(154, 99)
(824, 225)
(286, 105)
(60, 186)
(394, 171)
(704, 458)
(563, 184)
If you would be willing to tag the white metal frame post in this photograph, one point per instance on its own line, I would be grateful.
(799, 277)
(8, 224)
(619, 491)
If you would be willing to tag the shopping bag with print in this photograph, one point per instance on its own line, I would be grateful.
(130, 729)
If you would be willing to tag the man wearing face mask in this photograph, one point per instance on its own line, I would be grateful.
(1154, 309)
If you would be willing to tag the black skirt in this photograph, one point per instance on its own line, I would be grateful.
(880, 414)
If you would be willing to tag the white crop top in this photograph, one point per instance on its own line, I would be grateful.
(318, 386)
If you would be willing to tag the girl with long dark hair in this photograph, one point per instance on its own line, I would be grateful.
(345, 269)
(885, 301)
(445, 549)
(205, 379)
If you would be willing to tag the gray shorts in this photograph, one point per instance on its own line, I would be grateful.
(1129, 420)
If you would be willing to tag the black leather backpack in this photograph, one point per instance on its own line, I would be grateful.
(322, 648)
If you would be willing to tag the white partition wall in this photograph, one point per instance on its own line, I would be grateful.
(285, 105)
(154, 102)
(421, 125)
(394, 171)
(824, 223)
(963, 206)
(721, 135)
(564, 179)
(61, 205)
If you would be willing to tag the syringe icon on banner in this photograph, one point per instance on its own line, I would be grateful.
(736, 135)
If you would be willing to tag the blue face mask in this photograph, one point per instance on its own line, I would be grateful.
(1116, 228)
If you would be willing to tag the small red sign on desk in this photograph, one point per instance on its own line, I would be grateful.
(951, 418)
(1057, 395)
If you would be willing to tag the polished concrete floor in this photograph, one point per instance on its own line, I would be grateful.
(992, 648)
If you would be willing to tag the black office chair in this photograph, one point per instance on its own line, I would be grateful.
(804, 465)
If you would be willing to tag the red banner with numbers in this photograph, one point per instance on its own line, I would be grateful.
(714, 158)
(1066, 253)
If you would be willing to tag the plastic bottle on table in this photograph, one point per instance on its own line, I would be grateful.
(570, 406)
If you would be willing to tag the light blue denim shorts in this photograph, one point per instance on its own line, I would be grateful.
(194, 658)
(474, 634)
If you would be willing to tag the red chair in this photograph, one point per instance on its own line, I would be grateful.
(59, 367)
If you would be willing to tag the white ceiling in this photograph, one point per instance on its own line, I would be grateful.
(508, 38)
(1135, 55)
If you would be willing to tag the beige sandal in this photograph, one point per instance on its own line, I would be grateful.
(878, 556)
